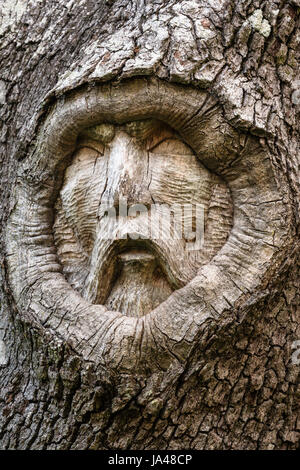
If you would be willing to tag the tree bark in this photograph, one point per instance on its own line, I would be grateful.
(230, 378)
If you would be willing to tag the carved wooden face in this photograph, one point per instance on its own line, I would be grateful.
(147, 166)
(135, 303)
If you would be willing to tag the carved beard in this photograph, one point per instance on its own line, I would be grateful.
(140, 284)
(131, 276)
(134, 276)
(143, 271)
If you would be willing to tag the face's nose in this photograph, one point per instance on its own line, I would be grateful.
(127, 175)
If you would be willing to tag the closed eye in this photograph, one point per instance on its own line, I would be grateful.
(172, 146)
(91, 144)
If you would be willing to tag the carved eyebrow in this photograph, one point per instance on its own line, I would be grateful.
(157, 138)
(142, 129)
(150, 132)
(103, 133)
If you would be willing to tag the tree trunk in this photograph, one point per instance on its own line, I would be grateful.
(215, 365)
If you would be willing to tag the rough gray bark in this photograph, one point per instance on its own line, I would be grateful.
(211, 368)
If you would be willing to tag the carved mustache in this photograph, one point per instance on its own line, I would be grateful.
(178, 264)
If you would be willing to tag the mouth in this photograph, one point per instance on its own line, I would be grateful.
(131, 277)
(133, 256)
(138, 263)
(143, 252)
(139, 285)
(127, 269)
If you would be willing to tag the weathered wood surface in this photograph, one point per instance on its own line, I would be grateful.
(210, 368)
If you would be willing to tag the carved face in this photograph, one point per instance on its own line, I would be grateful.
(136, 302)
(147, 166)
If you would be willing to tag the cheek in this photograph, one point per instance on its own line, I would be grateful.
(183, 180)
(80, 196)
(180, 179)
